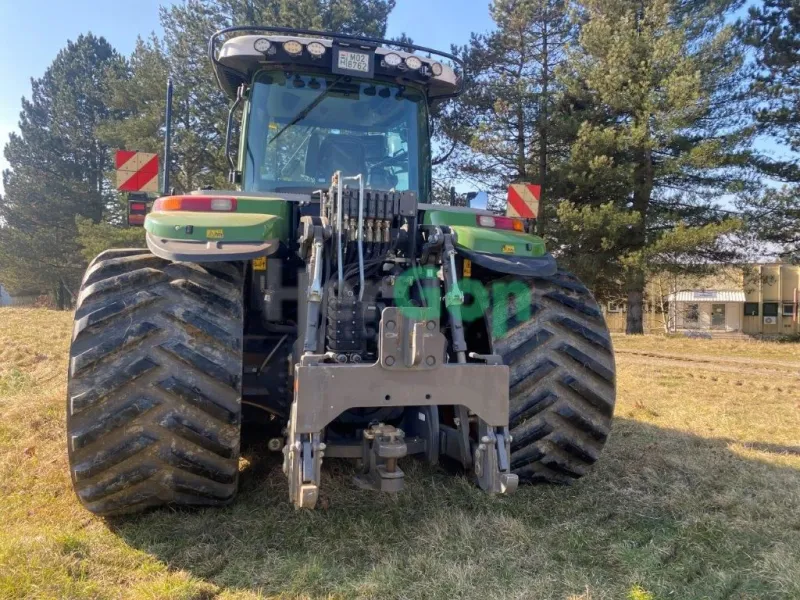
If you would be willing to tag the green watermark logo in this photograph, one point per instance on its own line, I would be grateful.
(418, 295)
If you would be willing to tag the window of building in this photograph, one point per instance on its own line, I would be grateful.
(770, 309)
(751, 309)
(693, 312)
(614, 307)
(788, 310)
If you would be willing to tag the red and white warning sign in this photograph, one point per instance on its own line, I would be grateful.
(523, 200)
(136, 171)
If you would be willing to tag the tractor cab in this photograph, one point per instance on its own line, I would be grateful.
(314, 106)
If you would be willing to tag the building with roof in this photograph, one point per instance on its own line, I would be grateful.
(706, 309)
(765, 304)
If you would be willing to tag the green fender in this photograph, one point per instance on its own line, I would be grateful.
(499, 250)
(255, 229)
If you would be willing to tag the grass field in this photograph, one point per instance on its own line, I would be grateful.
(696, 496)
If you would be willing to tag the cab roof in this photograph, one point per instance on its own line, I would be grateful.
(240, 57)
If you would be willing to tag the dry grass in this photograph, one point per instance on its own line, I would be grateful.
(696, 496)
(750, 348)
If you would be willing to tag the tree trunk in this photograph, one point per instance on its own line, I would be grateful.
(522, 158)
(59, 296)
(635, 316)
(540, 218)
(635, 278)
(663, 305)
(522, 155)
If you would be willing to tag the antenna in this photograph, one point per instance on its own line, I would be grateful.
(167, 138)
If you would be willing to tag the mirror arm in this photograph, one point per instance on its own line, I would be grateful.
(229, 132)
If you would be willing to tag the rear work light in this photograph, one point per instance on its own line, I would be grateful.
(507, 223)
(195, 203)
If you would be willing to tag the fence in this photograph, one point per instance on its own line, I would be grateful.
(19, 300)
(653, 321)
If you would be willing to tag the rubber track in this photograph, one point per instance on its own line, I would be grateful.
(562, 390)
(154, 395)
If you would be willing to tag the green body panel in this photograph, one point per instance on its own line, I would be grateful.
(255, 220)
(482, 239)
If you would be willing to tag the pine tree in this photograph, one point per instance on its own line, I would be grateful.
(773, 32)
(653, 87)
(502, 125)
(358, 17)
(57, 169)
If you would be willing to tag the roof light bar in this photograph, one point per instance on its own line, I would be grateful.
(230, 86)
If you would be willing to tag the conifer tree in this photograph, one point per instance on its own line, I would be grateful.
(653, 86)
(772, 31)
(57, 170)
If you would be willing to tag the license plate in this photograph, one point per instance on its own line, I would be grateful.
(353, 61)
(508, 249)
(215, 234)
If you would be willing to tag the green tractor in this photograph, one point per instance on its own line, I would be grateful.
(330, 303)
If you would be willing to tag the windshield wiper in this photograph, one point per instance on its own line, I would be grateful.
(305, 112)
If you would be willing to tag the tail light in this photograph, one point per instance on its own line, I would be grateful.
(137, 209)
(195, 203)
(506, 223)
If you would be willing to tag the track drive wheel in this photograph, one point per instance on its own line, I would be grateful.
(562, 378)
(154, 394)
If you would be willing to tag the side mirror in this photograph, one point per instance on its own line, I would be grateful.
(479, 200)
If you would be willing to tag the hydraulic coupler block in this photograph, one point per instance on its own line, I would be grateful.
(345, 324)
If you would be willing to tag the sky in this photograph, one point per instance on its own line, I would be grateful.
(33, 31)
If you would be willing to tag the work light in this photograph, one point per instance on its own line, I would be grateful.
(262, 45)
(316, 49)
(413, 63)
(293, 47)
(392, 59)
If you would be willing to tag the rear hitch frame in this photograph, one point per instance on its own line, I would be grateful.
(411, 371)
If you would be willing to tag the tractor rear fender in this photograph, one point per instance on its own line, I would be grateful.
(499, 250)
(524, 266)
(214, 236)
